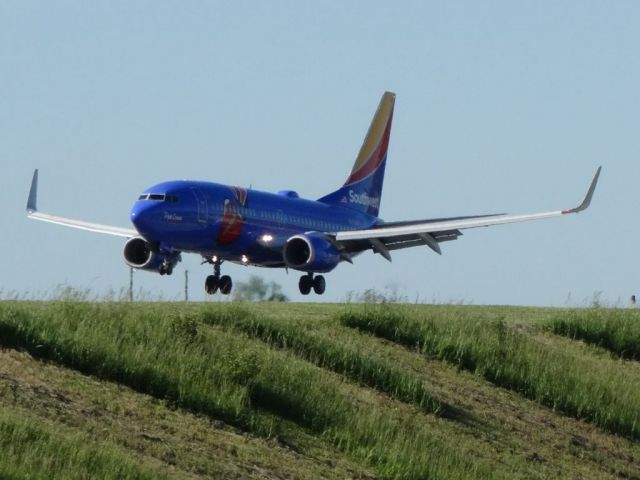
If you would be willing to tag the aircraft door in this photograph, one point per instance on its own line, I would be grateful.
(201, 202)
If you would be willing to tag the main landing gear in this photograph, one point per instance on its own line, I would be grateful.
(215, 282)
(166, 268)
(308, 281)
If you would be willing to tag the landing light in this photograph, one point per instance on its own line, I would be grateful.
(244, 259)
(266, 238)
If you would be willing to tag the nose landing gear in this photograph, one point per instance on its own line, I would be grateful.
(215, 282)
(308, 281)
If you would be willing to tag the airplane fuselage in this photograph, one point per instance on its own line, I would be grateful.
(233, 223)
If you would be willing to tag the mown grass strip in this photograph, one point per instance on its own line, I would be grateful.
(583, 387)
(336, 356)
(35, 450)
(613, 329)
(169, 353)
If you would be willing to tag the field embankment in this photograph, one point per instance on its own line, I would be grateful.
(313, 391)
(596, 389)
(617, 331)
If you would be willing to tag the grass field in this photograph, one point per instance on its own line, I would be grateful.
(617, 331)
(315, 391)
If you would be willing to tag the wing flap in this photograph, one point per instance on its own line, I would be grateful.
(435, 227)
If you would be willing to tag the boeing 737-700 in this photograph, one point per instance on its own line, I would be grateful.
(281, 230)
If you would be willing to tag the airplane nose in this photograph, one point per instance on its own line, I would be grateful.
(142, 217)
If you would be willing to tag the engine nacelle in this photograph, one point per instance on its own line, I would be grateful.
(311, 253)
(139, 254)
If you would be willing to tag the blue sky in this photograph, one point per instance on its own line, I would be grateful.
(501, 107)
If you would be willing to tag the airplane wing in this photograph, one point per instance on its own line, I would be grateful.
(392, 236)
(32, 212)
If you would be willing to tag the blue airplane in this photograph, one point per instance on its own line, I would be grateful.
(281, 230)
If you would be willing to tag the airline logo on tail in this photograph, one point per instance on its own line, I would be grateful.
(373, 152)
(363, 189)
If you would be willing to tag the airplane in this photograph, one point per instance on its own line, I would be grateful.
(225, 223)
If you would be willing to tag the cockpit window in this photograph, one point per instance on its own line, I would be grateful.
(159, 197)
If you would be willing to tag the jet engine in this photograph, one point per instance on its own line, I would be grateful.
(311, 253)
(140, 254)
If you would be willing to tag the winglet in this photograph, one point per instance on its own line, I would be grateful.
(33, 193)
(587, 199)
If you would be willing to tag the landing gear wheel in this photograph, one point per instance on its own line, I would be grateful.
(305, 284)
(211, 284)
(165, 269)
(216, 282)
(319, 285)
(225, 284)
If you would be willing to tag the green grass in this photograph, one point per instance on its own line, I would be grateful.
(586, 387)
(158, 435)
(34, 450)
(333, 354)
(613, 329)
(312, 380)
(173, 354)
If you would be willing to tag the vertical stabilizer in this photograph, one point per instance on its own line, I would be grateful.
(363, 189)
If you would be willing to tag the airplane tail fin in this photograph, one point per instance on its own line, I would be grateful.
(363, 189)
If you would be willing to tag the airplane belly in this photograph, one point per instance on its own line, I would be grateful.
(240, 242)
